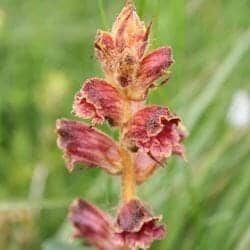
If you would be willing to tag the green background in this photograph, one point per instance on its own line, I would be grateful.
(46, 52)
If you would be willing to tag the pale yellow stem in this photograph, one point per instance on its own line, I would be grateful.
(128, 177)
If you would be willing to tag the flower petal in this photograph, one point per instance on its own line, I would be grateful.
(144, 166)
(152, 66)
(99, 100)
(156, 131)
(92, 225)
(84, 144)
(129, 31)
(105, 51)
(137, 227)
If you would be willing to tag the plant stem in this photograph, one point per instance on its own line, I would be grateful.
(128, 177)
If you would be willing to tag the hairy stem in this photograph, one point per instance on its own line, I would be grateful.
(128, 177)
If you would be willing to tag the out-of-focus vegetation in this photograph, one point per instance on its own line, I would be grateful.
(46, 52)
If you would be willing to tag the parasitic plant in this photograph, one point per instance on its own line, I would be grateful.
(148, 134)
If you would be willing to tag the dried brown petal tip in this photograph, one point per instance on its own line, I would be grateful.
(93, 225)
(136, 227)
(83, 144)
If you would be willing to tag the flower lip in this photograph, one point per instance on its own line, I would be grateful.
(136, 227)
(132, 216)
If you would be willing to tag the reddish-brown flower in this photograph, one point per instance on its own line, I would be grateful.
(156, 131)
(92, 225)
(99, 100)
(136, 227)
(84, 144)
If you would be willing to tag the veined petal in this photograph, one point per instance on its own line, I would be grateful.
(129, 31)
(136, 227)
(99, 100)
(105, 51)
(152, 66)
(156, 131)
(84, 144)
(93, 225)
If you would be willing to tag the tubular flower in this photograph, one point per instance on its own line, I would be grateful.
(137, 227)
(151, 67)
(99, 100)
(92, 225)
(83, 144)
(148, 135)
(156, 131)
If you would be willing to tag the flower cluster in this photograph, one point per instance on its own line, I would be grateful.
(149, 135)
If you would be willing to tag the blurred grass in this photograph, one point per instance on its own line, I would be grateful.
(46, 51)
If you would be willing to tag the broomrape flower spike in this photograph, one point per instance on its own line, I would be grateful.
(149, 135)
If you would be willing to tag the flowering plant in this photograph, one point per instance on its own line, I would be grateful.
(148, 134)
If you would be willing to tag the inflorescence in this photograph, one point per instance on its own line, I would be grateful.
(149, 135)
